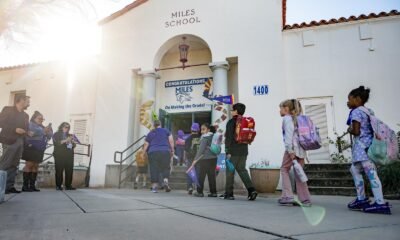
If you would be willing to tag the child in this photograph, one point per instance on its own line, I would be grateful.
(142, 166)
(192, 143)
(206, 162)
(180, 147)
(289, 110)
(237, 153)
(361, 129)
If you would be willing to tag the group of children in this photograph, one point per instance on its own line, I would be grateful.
(195, 148)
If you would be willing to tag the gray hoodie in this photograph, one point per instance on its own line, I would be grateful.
(204, 148)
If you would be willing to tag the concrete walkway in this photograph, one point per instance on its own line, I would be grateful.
(127, 214)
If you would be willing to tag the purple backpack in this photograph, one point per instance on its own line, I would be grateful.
(309, 138)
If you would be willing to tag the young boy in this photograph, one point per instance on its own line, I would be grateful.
(192, 143)
(237, 153)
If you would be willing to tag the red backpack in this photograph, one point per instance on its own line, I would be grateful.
(245, 130)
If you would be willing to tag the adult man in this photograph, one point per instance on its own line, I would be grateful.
(14, 123)
(237, 153)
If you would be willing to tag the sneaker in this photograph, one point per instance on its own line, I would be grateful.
(167, 188)
(222, 196)
(12, 190)
(229, 197)
(70, 188)
(59, 188)
(358, 204)
(190, 191)
(305, 203)
(252, 196)
(212, 195)
(154, 190)
(286, 201)
(378, 208)
(197, 194)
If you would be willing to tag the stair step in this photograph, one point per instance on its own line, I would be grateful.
(341, 191)
(330, 182)
(328, 174)
(327, 166)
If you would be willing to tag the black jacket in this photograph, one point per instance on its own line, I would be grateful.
(191, 150)
(231, 146)
(10, 120)
(61, 149)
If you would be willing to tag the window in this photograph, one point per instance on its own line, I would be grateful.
(320, 110)
(14, 95)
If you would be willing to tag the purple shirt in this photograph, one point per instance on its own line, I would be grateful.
(158, 140)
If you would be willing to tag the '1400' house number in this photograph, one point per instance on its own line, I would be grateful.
(260, 90)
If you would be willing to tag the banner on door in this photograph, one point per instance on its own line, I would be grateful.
(185, 96)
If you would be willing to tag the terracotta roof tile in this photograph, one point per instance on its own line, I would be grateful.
(340, 20)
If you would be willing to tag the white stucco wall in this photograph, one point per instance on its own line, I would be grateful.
(231, 29)
(57, 89)
(339, 62)
(251, 34)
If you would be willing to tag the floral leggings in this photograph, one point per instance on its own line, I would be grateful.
(370, 170)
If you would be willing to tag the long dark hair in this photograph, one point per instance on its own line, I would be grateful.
(62, 125)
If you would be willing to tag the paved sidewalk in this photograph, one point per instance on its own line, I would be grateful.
(127, 214)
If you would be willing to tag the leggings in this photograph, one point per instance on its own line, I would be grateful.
(370, 170)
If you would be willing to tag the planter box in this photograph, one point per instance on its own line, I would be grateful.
(265, 180)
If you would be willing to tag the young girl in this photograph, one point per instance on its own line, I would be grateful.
(205, 162)
(361, 129)
(289, 110)
(180, 148)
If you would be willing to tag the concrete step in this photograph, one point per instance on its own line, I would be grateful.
(330, 182)
(341, 191)
(327, 167)
(328, 174)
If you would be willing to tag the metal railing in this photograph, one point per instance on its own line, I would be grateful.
(123, 156)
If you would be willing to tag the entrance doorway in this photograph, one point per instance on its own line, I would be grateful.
(183, 121)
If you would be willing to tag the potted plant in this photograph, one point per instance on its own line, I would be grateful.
(265, 177)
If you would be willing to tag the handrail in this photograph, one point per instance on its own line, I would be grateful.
(128, 156)
(126, 149)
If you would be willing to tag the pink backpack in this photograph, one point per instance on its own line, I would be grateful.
(309, 138)
(382, 132)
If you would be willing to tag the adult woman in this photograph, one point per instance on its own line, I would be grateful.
(159, 145)
(35, 145)
(64, 156)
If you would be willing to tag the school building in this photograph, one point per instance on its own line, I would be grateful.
(161, 57)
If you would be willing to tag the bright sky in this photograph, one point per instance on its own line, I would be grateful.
(308, 10)
(68, 36)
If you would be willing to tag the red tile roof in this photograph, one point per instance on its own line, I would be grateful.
(334, 20)
(122, 11)
(6, 68)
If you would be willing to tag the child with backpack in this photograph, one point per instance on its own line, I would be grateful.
(363, 134)
(180, 148)
(206, 162)
(142, 168)
(192, 144)
(237, 151)
(290, 110)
